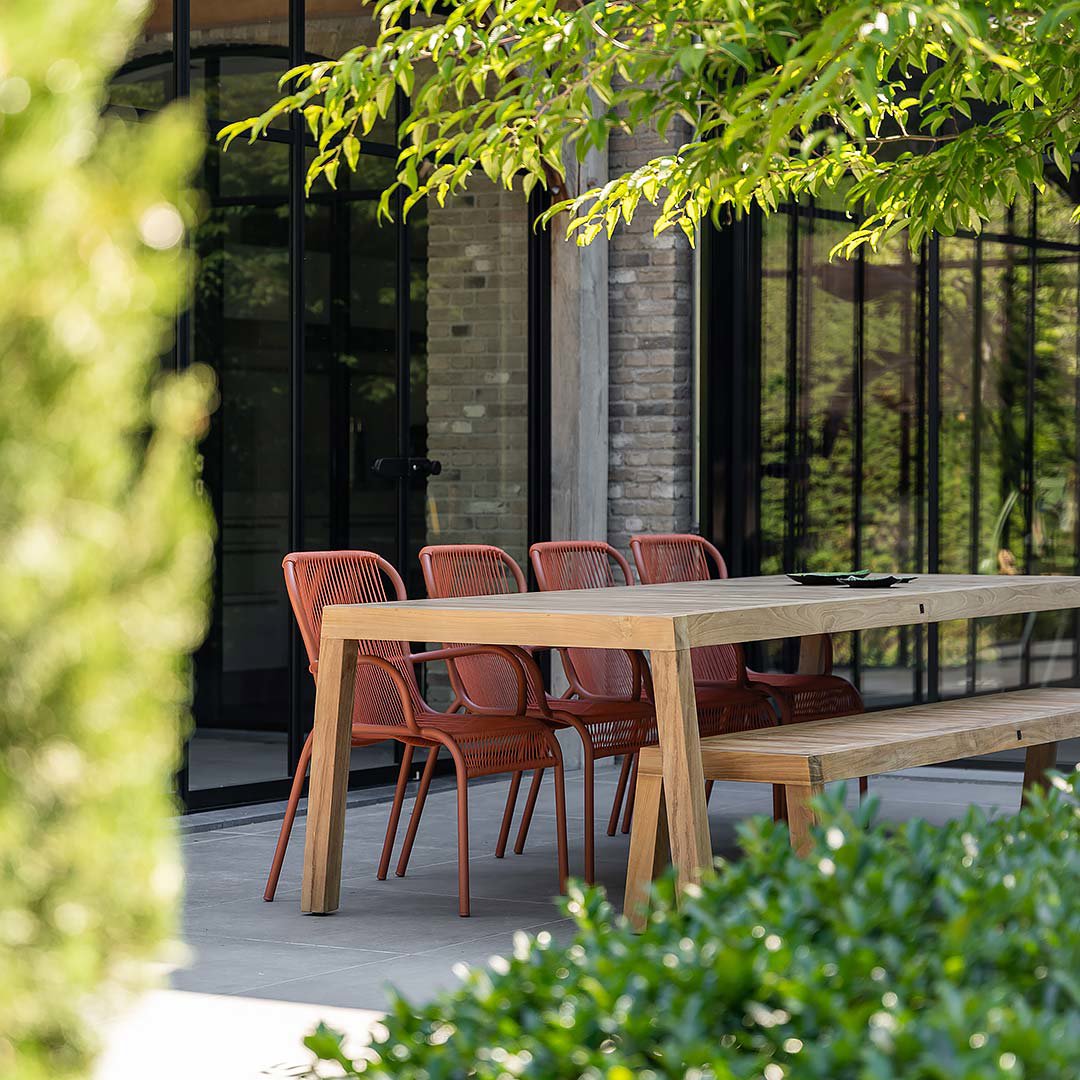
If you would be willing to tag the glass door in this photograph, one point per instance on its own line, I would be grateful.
(373, 376)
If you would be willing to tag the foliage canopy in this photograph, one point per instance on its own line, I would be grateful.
(928, 953)
(105, 539)
(924, 112)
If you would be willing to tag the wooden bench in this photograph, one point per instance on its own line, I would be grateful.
(805, 757)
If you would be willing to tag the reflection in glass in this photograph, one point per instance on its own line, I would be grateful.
(145, 81)
(240, 326)
(960, 282)
(1054, 510)
(1002, 532)
(779, 461)
(333, 27)
(848, 438)
(370, 387)
(889, 455)
(825, 366)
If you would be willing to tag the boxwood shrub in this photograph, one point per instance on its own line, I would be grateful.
(922, 953)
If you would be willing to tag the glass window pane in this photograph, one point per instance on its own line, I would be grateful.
(1054, 528)
(777, 469)
(775, 426)
(1055, 208)
(237, 57)
(1001, 454)
(351, 398)
(890, 456)
(960, 300)
(1007, 499)
(144, 83)
(331, 29)
(824, 421)
(241, 328)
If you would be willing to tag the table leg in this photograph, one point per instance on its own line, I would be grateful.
(812, 653)
(680, 750)
(801, 815)
(331, 742)
(1037, 761)
(649, 850)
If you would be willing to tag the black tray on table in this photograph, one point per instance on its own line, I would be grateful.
(853, 579)
(828, 579)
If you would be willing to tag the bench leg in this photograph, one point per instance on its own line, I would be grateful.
(801, 816)
(1036, 763)
(649, 850)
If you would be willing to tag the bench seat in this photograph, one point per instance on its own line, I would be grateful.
(804, 757)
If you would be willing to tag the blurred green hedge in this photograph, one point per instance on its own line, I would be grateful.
(930, 954)
(104, 541)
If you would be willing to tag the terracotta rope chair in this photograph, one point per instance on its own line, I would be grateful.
(668, 557)
(387, 705)
(724, 707)
(607, 727)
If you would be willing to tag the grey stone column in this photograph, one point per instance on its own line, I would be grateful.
(579, 373)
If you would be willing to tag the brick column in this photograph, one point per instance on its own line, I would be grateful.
(650, 365)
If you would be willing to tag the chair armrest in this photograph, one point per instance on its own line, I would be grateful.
(534, 679)
(458, 651)
(399, 684)
(642, 679)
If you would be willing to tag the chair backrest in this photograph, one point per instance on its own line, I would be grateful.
(452, 570)
(315, 579)
(662, 558)
(666, 557)
(587, 564)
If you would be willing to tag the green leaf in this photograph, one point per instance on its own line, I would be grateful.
(351, 145)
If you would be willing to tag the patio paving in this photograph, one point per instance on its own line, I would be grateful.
(406, 931)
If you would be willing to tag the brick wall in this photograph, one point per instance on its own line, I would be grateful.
(651, 352)
(477, 404)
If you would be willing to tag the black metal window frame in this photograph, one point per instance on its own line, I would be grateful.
(730, 407)
(300, 141)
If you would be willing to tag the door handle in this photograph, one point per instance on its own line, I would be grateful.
(399, 468)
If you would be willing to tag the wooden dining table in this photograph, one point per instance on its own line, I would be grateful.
(667, 621)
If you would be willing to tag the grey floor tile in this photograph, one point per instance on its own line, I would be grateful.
(417, 976)
(382, 918)
(234, 965)
(407, 930)
(235, 867)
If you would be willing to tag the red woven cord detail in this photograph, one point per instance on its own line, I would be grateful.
(581, 564)
(665, 558)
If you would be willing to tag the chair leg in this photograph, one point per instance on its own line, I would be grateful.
(588, 764)
(864, 787)
(287, 821)
(462, 837)
(526, 817)
(620, 791)
(560, 828)
(508, 814)
(418, 809)
(628, 815)
(395, 812)
(779, 803)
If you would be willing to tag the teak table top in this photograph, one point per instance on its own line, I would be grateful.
(667, 617)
